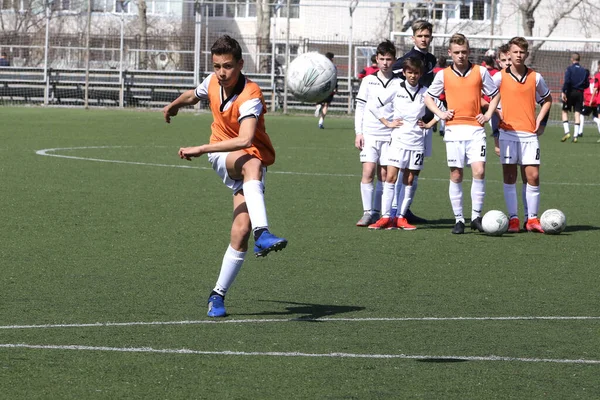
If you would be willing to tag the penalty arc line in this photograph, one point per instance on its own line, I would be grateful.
(280, 320)
(295, 354)
(48, 153)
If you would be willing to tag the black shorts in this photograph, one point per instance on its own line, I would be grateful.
(328, 100)
(574, 101)
(587, 110)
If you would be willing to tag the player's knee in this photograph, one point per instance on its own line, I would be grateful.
(252, 169)
(240, 230)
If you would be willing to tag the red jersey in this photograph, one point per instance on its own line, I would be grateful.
(588, 99)
(368, 71)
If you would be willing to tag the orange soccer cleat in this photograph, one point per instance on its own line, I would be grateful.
(533, 225)
(382, 223)
(513, 225)
(402, 223)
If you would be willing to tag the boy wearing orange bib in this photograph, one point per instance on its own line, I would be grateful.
(239, 151)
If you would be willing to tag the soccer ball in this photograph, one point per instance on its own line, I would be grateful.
(495, 223)
(553, 221)
(311, 77)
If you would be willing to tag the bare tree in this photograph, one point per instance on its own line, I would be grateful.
(143, 17)
(559, 11)
(263, 34)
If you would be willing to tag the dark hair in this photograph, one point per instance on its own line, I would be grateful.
(489, 61)
(505, 48)
(373, 58)
(413, 63)
(442, 61)
(386, 47)
(329, 55)
(227, 45)
(575, 56)
(4, 54)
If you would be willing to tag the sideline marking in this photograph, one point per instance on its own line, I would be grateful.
(294, 354)
(274, 320)
(48, 153)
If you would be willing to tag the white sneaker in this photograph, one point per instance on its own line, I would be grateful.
(317, 111)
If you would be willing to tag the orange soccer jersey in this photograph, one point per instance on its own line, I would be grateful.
(226, 124)
(518, 102)
(463, 95)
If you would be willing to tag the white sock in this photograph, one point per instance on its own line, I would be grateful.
(389, 191)
(320, 120)
(377, 199)
(597, 121)
(533, 200)
(581, 123)
(397, 192)
(254, 192)
(477, 196)
(415, 183)
(442, 125)
(524, 199)
(510, 198)
(366, 194)
(575, 130)
(232, 262)
(566, 126)
(456, 194)
(409, 193)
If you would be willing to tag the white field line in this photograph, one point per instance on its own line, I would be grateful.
(296, 354)
(48, 153)
(280, 320)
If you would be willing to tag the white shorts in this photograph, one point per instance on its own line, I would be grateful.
(375, 151)
(521, 153)
(218, 161)
(428, 142)
(406, 159)
(465, 152)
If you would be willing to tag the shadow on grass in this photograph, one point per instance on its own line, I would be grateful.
(581, 228)
(307, 311)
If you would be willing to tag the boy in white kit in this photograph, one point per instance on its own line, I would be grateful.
(407, 147)
(372, 137)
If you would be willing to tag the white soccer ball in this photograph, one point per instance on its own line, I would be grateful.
(311, 77)
(553, 221)
(494, 223)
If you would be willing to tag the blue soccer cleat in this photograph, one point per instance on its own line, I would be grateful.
(267, 242)
(216, 306)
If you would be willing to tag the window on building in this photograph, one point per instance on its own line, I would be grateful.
(232, 8)
(294, 9)
(476, 10)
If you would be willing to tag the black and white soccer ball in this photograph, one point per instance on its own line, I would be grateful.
(311, 77)
(553, 221)
(494, 223)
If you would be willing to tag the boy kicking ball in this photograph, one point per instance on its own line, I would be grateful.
(239, 151)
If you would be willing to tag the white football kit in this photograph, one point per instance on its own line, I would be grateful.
(376, 135)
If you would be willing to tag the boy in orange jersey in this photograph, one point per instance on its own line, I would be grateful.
(463, 83)
(521, 88)
(239, 151)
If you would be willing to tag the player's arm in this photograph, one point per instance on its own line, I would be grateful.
(566, 85)
(544, 94)
(491, 90)
(250, 112)
(187, 98)
(377, 107)
(361, 101)
(432, 96)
